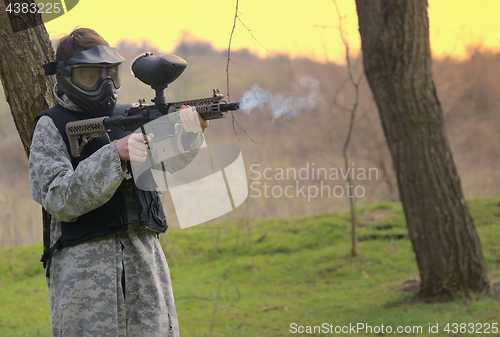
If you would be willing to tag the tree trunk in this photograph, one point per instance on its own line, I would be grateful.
(397, 63)
(22, 54)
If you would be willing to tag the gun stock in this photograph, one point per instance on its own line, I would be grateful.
(81, 132)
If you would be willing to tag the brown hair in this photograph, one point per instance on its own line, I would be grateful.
(78, 40)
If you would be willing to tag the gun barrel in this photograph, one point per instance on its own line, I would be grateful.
(216, 110)
(230, 106)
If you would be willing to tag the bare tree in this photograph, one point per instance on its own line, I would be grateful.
(397, 63)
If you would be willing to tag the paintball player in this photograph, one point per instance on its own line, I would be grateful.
(106, 271)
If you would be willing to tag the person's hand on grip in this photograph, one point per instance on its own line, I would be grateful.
(191, 119)
(133, 147)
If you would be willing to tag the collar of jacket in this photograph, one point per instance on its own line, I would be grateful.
(63, 100)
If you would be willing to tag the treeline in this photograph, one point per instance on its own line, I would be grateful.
(468, 91)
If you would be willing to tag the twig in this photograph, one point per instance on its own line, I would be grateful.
(337, 92)
(244, 131)
(250, 32)
(355, 84)
(229, 50)
(233, 119)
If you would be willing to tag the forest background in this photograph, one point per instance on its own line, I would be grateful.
(466, 76)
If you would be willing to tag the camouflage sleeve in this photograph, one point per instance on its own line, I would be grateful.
(173, 152)
(66, 193)
(188, 145)
(189, 141)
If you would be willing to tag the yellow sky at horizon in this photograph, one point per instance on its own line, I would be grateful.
(306, 29)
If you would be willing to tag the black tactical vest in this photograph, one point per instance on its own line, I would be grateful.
(129, 204)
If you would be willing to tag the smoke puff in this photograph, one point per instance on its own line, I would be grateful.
(304, 96)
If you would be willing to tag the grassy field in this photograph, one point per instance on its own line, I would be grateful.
(231, 279)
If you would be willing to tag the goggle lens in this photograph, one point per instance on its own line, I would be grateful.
(89, 78)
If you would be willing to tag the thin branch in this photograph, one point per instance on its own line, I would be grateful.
(244, 131)
(355, 84)
(229, 51)
(234, 122)
(335, 96)
(250, 32)
(344, 41)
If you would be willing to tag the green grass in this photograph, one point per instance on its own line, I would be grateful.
(24, 306)
(256, 282)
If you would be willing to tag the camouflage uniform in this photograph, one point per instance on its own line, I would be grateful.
(118, 285)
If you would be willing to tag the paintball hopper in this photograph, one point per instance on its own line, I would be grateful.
(158, 71)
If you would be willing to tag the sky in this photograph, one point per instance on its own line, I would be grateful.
(268, 27)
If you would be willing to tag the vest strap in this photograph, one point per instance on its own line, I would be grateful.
(47, 256)
(129, 218)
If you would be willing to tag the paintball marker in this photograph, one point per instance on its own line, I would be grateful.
(158, 72)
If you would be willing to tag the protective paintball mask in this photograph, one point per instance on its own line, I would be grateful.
(90, 79)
